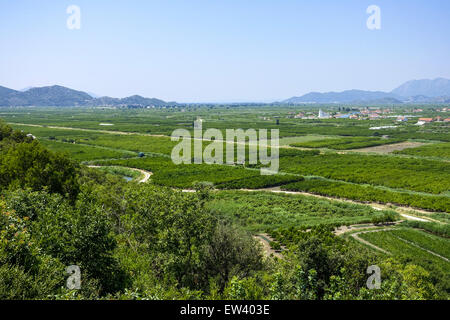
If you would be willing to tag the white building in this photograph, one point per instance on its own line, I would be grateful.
(323, 115)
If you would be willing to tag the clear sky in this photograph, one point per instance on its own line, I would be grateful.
(222, 50)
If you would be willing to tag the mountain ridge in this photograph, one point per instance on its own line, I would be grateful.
(425, 87)
(65, 97)
(413, 91)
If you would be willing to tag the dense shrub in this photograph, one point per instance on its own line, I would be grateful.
(29, 164)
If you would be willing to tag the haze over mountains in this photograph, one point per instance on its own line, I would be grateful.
(415, 91)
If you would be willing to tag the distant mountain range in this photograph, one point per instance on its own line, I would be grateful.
(65, 97)
(415, 91)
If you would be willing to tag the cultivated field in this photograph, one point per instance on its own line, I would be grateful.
(334, 173)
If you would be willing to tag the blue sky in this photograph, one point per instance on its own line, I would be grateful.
(222, 50)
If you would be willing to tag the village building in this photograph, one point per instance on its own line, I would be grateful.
(323, 115)
(422, 121)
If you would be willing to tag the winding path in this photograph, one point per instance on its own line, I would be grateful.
(356, 237)
(146, 174)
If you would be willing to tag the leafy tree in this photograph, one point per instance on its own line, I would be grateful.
(405, 282)
(74, 234)
(25, 272)
(231, 252)
(31, 165)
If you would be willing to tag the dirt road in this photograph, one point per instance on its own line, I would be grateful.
(355, 236)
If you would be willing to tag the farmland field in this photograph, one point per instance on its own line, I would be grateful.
(402, 173)
(185, 176)
(85, 152)
(370, 193)
(346, 143)
(390, 148)
(430, 252)
(323, 183)
(262, 211)
(421, 182)
(441, 150)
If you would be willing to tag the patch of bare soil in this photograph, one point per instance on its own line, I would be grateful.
(388, 148)
(344, 229)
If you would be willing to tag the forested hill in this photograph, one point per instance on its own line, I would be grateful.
(65, 97)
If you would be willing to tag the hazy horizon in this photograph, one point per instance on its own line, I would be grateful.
(222, 51)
